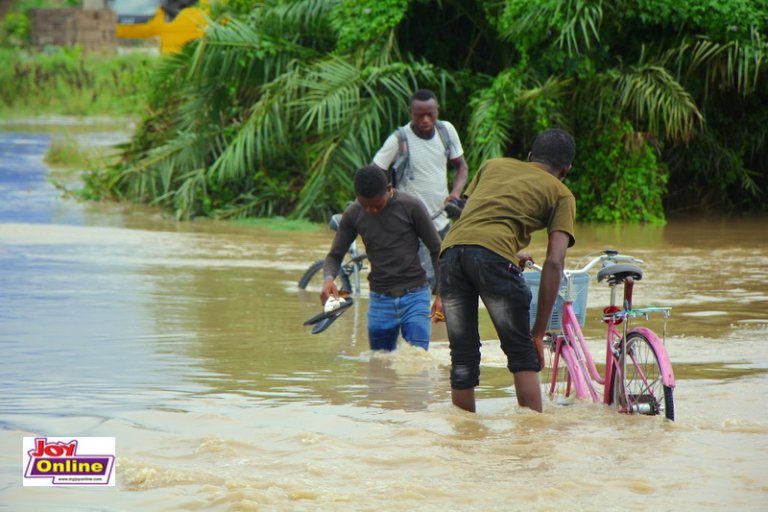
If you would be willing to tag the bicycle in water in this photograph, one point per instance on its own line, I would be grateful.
(349, 279)
(638, 376)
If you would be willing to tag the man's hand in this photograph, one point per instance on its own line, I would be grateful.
(437, 312)
(451, 198)
(329, 290)
(522, 257)
(538, 343)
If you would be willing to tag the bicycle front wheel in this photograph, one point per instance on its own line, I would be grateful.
(312, 280)
(641, 390)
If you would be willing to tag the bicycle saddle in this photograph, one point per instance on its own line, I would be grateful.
(618, 273)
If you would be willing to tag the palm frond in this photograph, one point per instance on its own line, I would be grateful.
(651, 94)
(581, 26)
(552, 87)
(745, 62)
(294, 16)
(192, 186)
(734, 65)
(511, 97)
(575, 22)
(331, 93)
(339, 157)
(488, 131)
(144, 167)
(264, 134)
(238, 49)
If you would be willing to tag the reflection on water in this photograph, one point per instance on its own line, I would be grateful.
(185, 342)
(718, 371)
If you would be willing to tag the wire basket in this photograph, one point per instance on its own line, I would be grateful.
(579, 289)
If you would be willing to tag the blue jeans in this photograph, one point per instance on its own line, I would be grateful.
(387, 316)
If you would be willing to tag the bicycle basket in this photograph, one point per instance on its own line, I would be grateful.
(579, 289)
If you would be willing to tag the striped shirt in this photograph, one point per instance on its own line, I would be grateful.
(427, 174)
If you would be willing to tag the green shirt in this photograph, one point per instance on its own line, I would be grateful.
(508, 200)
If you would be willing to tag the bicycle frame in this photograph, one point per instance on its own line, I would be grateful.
(355, 267)
(579, 356)
(626, 349)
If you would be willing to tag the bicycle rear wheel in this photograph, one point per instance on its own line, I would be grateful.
(642, 389)
(559, 377)
(312, 280)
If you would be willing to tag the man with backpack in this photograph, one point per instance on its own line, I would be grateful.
(418, 155)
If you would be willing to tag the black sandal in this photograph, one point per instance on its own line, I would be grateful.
(323, 320)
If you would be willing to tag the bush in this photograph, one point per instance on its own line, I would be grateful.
(618, 177)
(14, 30)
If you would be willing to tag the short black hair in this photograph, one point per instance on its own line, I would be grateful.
(554, 147)
(370, 181)
(422, 95)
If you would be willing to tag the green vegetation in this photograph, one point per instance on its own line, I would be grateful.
(619, 177)
(65, 152)
(270, 113)
(14, 30)
(66, 82)
(280, 224)
(68, 160)
(68, 153)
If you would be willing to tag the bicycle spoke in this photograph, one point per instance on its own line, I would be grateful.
(640, 378)
(641, 389)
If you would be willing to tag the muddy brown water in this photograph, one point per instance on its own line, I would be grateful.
(185, 343)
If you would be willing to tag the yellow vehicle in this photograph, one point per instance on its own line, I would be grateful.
(174, 22)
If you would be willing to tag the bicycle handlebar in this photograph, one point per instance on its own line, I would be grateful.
(607, 255)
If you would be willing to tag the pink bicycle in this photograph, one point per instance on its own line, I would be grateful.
(638, 375)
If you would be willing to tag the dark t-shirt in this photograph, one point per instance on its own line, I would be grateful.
(391, 240)
(508, 200)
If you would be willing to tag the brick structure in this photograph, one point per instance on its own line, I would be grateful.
(92, 30)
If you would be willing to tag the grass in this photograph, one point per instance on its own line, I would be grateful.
(280, 224)
(67, 82)
(67, 160)
(68, 153)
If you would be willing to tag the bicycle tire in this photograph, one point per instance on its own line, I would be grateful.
(646, 392)
(312, 279)
(559, 376)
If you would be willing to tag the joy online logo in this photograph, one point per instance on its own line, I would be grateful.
(60, 464)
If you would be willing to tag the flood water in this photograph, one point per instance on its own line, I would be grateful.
(184, 341)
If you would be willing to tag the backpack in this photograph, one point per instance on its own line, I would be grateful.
(400, 168)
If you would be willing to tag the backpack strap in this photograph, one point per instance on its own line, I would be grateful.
(445, 137)
(400, 165)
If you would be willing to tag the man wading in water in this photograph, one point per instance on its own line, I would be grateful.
(391, 224)
(508, 200)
